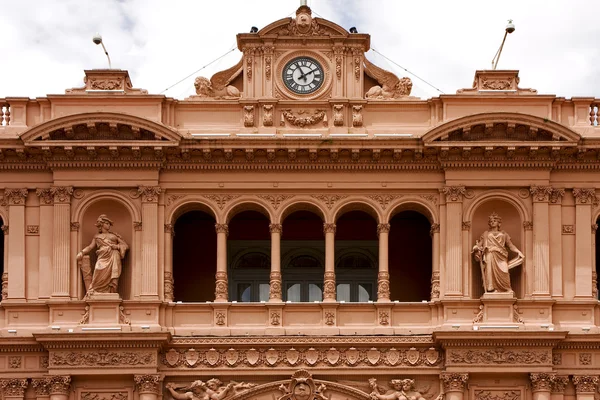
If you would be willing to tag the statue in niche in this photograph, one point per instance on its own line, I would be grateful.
(491, 250)
(213, 389)
(403, 390)
(110, 251)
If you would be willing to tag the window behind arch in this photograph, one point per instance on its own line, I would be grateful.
(356, 276)
(250, 277)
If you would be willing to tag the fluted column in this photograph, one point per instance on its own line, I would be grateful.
(149, 287)
(13, 388)
(541, 252)
(435, 263)
(541, 385)
(558, 387)
(454, 384)
(45, 286)
(147, 386)
(585, 386)
(221, 275)
(275, 276)
(41, 388)
(59, 387)
(169, 284)
(329, 278)
(584, 198)
(555, 241)
(16, 242)
(383, 277)
(454, 212)
(61, 240)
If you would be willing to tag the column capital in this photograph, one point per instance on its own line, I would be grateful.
(454, 193)
(60, 384)
(329, 227)
(41, 386)
(557, 195)
(560, 384)
(540, 193)
(275, 228)
(542, 382)
(61, 194)
(15, 197)
(222, 228)
(13, 387)
(454, 381)
(169, 228)
(147, 383)
(528, 225)
(584, 196)
(45, 195)
(585, 383)
(149, 194)
(5, 229)
(383, 228)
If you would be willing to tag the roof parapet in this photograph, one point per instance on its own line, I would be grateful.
(496, 82)
(106, 81)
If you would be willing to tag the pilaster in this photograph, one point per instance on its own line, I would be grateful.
(46, 238)
(13, 388)
(585, 386)
(148, 386)
(454, 384)
(61, 240)
(555, 241)
(584, 198)
(275, 276)
(16, 242)
(329, 289)
(149, 287)
(221, 275)
(541, 253)
(453, 275)
(383, 276)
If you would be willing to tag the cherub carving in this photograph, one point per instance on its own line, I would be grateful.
(218, 86)
(213, 389)
(403, 390)
(391, 87)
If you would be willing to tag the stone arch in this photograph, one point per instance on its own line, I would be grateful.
(411, 203)
(272, 390)
(185, 205)
(357, 204)
(514, 214)
(247, 204)
(300, 204)
(121, 210)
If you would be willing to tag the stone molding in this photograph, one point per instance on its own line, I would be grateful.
(147, 384)
(585, 383)
(542, 382)
(453, 381)
(100, 359)
(498, 356)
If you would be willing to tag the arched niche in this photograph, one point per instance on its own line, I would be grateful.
(512, 224)
(122, 224)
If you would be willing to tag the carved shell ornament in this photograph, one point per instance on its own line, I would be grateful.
(391, 87)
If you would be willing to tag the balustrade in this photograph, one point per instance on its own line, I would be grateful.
(595, 113)
(4, 113)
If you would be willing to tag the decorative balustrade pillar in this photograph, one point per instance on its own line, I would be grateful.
(541, 251)
(61, 240)
(329, 278)
(169, 284)
(149, 281)
(541, 385)
(454, 212)
(221, 275)
(555, 241)
(59, 387)
(585, 386)
(275, 276)
(383, 276)
(584, 199)
(16, 242)
(148, 386)
(13, 388)
(454, 384)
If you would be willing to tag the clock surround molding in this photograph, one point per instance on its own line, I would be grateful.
(282, 91)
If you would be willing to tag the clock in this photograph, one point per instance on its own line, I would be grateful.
(303, 75)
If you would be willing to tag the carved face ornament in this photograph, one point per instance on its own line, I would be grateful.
(303, 22)
(301, 391)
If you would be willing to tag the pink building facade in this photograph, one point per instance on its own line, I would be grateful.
(301, 228)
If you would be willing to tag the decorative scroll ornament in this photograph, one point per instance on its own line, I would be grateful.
(221, 199)
(15, 196)
(302, 387)
(541, 193)
(454, 193)
(357, 116)
(557, 195)
(584, 195)
(221, 285)
(542, 382)
(559, 384)
(275, 318)
(338, 115)
(275, 199)
(59, 385)
(329, 318)
(384, 199)
(149, 193)
(479, 317)
(454, 382)
(329, 285)
(45, 195)
(101, 358)
(499, 356)
(384, 317)
(391, 87)
(301, 120)
(104, 396)
(497, 395)
(329, 200)
(383, 285)
(218, 87)
(248, 116)
(13, 387)
(585, 383)
(62, 194)
(40, 385)
(268, 114)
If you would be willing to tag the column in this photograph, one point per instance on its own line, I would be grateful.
(558, 387)
(42, 390)
(541, 251)
(16, 242)
(169, 283)
(435, 272)
(453, 273)
(454, 384)
(221, 275)
(585, 386)
(584, 199)
(46, 245)
(329, 278)
(383, 277)
(149, 287)
(541, 385)
(59, 387)
(275, 277)
(555, 242)
(13, 388)
(61, 240)
(147, 386)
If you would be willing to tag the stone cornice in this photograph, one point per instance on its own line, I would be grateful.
(102, 340)
(320, 341)
(497, 339)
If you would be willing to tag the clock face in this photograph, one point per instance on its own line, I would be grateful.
(303, 75)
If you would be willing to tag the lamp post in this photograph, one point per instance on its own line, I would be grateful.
(510, 28)
(98, 40)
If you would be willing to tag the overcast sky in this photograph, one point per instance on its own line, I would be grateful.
(46, 44)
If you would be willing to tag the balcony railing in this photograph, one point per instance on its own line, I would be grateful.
(4, 113)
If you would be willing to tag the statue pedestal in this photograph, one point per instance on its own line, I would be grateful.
(498, 311)
(105, 310)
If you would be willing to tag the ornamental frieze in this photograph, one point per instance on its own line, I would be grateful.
(111, 395)
(64, 359)
(301, 356)
(499, 356)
